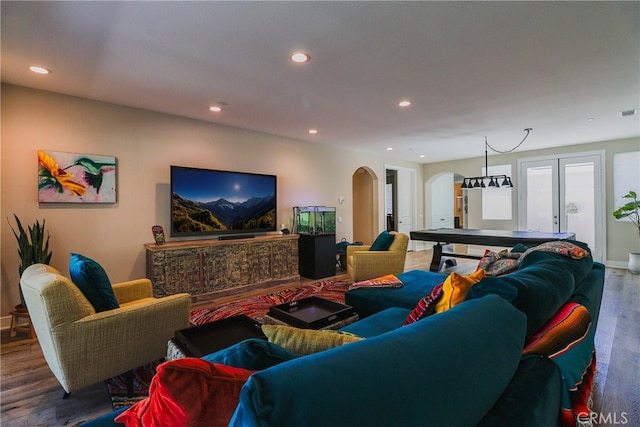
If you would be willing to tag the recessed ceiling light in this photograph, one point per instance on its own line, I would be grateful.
(215, 108)
(404, 103)
(590, 119)
(423, 156)
(300, 57)
(313, 131)
(389, 148)
(39, 70)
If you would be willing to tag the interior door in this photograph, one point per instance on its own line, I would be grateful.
(406, 197)
(404, 189)
(391, 199)
(564, 194)
(442, 201)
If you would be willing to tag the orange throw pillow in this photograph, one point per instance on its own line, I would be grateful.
(189, 392)
(455, 288)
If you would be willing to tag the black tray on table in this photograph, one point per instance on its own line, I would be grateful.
(311, 312)
(201, 340)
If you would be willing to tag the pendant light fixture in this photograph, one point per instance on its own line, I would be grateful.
(492, 181)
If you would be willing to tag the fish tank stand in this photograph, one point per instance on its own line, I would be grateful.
(316, 226)
(317, 255)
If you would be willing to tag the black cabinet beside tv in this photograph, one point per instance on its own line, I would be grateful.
(317, 255)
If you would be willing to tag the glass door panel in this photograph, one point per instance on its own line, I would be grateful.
(540, 202)
(579, 200)
(564, 195)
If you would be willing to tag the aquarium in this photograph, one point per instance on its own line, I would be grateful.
(315, 220)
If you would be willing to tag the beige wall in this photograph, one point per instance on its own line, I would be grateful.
(145, 144)
(621, 238)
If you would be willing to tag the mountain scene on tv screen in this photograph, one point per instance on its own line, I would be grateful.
(222, 215)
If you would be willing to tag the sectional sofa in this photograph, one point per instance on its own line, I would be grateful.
(560, 297)
(518, 350)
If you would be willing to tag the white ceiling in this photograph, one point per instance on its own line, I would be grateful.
(472, 69)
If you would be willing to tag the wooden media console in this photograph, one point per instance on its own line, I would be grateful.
(211, 268)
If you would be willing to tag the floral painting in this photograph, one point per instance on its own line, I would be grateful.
(76, 178)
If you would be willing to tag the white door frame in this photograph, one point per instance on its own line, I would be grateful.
(413, 197)
(599, 189)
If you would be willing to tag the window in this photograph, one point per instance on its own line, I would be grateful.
(626, 177)
(496, 202)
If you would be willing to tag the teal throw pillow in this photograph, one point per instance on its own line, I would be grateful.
(93, 282)
(382, 242)
(254, 354)
(519, 248)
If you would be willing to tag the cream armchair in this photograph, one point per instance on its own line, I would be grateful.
(83, 347)
(363, 264)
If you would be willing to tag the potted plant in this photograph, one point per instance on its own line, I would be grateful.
(33, 248)
(631, 210)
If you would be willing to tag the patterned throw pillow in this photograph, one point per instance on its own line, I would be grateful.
(499, 263)
(388, 281)
(487, 252)
(426, 306)
(302, 342)
(455, 288)
(560, 247)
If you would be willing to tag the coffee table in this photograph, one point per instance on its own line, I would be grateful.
(201, 340)
(312, 313)
(308, 313)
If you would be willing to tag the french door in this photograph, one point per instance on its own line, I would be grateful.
(564, 194)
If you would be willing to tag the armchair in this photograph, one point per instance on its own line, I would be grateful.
(364, 264)
(83, 347)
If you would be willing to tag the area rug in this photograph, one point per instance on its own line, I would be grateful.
(254, 307)
(117, 386)
(257, 307)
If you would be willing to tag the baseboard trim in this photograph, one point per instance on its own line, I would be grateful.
(5, 323)
(617, 264)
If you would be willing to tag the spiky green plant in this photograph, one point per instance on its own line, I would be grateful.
(631, 210)
(33, 248)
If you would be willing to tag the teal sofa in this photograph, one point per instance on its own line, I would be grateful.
(544, 286)
(464, 366)
(448, 369)
(543, 282)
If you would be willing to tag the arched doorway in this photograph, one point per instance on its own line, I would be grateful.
(365, 205)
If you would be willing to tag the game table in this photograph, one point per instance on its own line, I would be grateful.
(502, 238)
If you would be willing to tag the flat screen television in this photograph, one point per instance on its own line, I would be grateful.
(207, 202)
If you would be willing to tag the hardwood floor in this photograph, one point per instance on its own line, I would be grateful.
(31, 396)
(617, 381)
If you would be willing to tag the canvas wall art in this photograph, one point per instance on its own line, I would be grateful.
(76, 178)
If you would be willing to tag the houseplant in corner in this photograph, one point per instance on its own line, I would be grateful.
(631, 210)
(33, 248)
